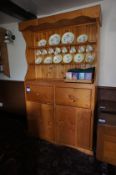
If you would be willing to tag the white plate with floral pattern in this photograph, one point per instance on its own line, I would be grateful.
(54, 39)
(38, 60)
(67, 58)
(89, 48)
(50, 51)
(72, 49)
(68, 38)
(42, 42)
(82, 38)
(81, 49)
(48, 60)
(78, 58)
(89, 58)
(57, 58)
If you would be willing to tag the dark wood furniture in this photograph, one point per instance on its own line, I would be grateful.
(106, 132)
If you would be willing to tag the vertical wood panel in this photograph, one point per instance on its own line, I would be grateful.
(65, 125)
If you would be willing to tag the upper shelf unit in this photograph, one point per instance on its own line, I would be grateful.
(81, 22)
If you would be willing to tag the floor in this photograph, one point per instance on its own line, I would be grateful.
(21, 154)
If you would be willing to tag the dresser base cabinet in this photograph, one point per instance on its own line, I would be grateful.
(51, 118)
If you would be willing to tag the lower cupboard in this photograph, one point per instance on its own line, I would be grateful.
(40, 120)
(64, 125)
(73, 126)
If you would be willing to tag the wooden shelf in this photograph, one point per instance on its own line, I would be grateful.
(78, 81)
(63, 45)
(84, 63)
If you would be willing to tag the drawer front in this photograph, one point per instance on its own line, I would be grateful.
(73, 97)
(42, 94)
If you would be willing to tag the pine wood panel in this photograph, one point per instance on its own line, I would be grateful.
(46, 122)
(65, 130)
(73, 127)
(84, 128)
(33, 114)
(41, 94)
(73, 97)
(91, 12)
(40, 120)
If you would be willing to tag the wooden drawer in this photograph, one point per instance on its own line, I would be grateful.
(73, 97)
(42, 94)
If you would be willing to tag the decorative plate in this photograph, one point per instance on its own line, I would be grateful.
(38, 60)
(82, 38)
(57, 58)
(50, 50)
(67, 58)
(42, 42)
(89, 58)
(57, 50)
(54, 39)
(89, 48)
(38, 52)
(48, 60)
(68, 38)
(64, 50)
(78, 58)
(43, 51)
(81, 49)
(73, 49)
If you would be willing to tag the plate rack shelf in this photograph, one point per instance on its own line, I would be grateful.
(64, 45)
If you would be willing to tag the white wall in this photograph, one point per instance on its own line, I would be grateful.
(107, 70)
(16, 54)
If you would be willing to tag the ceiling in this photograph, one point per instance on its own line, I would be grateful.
(17, 10)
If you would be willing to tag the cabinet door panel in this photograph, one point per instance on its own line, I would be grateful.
(65, 125)
(33, 114)
(40, 120)
(84, 128)
(46, 122)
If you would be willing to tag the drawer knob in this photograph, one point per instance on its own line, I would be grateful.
(71, 97)
(102, 107)
(103, 121)
(28, 89)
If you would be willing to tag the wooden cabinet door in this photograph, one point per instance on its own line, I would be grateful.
(65, 129)
(73, 126)
(84, 128)
(40, 120)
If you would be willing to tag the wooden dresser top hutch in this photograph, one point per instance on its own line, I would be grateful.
(59, 111)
